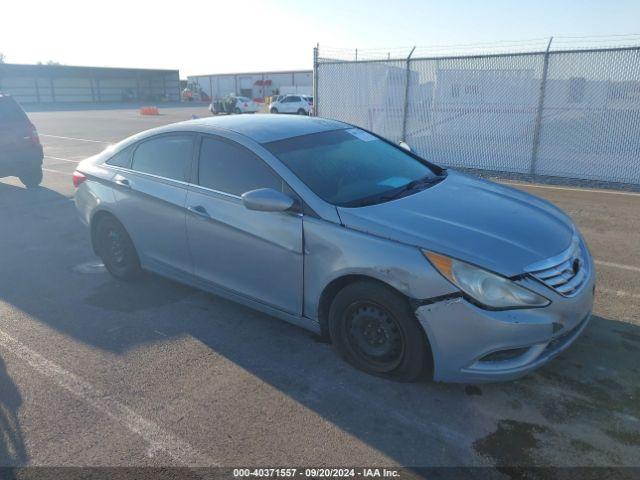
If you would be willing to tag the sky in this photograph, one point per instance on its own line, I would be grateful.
(215, 36)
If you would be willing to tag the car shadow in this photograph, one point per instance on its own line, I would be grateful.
(525, 422)
(13, 451)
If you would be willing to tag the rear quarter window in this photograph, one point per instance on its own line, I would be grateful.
(122, 158)
(10, 111)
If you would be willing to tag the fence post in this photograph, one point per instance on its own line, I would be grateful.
(406, 97)
(315, 80)
(538, 121)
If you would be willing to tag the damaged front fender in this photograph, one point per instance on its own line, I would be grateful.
(350, 252)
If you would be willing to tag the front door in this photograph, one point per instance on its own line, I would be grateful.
(256, 254)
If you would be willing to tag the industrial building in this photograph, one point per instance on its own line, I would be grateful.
(255, 85)
(68, 84)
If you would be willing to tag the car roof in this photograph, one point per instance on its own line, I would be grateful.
(264, 128)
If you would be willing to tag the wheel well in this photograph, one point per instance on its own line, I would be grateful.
(95, 219)
(332, 289)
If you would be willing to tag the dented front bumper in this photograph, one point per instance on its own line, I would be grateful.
(471, 345)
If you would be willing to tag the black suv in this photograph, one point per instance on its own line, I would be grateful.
(20, 149)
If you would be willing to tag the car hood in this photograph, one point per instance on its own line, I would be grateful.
(493, 226)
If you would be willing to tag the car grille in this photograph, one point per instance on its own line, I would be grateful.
(564, 273)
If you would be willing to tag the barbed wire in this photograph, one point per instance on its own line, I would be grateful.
(331, 53)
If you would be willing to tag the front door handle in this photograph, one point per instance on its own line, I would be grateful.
(200, 211)
(122, 182)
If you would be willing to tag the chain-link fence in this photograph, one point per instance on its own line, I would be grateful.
(551, 111)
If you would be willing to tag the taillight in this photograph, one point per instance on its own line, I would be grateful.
(78, 179)
(33, 136)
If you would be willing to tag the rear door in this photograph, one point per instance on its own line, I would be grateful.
(150, 200)
(255, 254)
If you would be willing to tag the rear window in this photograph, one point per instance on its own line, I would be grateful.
(10, 111)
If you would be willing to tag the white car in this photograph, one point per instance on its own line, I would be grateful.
(291, 104)
(246, 105)
(233, 104)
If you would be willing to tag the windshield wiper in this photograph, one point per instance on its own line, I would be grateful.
(419, 183)
(413, 185)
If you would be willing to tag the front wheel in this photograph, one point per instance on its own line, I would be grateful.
(374, 329)
(274, 110)
(32, 177)
(237, 110)
(116, 249)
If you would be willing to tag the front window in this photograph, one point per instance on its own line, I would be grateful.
(351, 167)
(231, 168)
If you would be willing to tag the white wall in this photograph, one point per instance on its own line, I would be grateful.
(218, 86)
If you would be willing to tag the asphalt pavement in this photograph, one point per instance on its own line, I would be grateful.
(94, 372)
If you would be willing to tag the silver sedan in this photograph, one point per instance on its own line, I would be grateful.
(405, 266)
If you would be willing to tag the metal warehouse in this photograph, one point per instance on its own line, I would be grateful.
(255, 84)
(69, 84)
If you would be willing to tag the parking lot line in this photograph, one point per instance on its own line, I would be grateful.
(55, 171)
(571, 189)
(617, 265)
(73, 138)
(154, 435)
(62, 159)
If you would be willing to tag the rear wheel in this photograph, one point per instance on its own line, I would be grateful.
(32, 177)
(274, 110)
(116, 249)
(302, 111)
(374, 329)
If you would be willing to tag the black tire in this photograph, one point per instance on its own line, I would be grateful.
(116, 249)
(237, 111)
(301, 111)
(374, 329)
(31, 178)
(274, 110)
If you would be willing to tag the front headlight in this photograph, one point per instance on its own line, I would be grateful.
(486, 288)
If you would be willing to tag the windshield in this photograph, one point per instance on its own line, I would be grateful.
(350, 167)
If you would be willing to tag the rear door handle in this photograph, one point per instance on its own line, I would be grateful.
(122, 182)
(200, 211)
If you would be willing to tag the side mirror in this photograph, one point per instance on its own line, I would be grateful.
(267, 200)
(404, 145)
